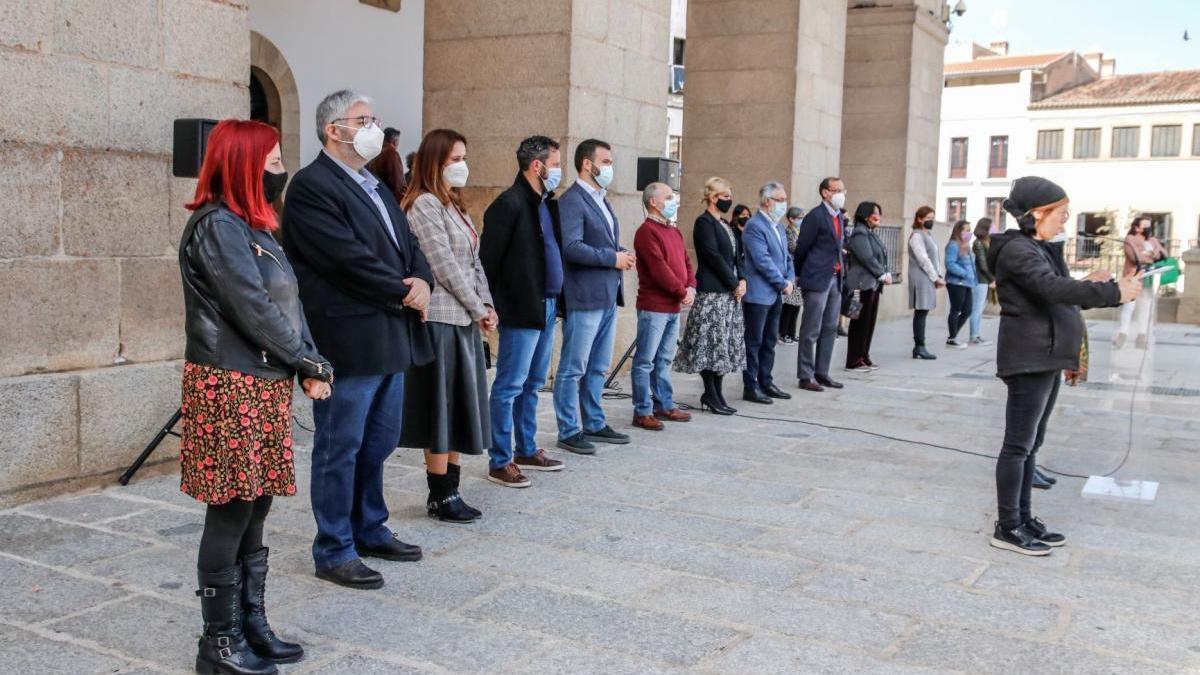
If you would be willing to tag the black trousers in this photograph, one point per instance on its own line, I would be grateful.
(762, 330)
(919, 317)
(862, 329)
(960, 308)
(231, 531)
(788, 316)
(1031, 399)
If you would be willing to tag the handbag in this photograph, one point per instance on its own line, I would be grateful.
(851, 303)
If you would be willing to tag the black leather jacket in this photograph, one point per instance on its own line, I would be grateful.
(241, 301)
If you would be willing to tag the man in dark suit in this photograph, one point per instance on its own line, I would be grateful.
(521, 255)
(365, 285)
(593, 261)
(820, 266)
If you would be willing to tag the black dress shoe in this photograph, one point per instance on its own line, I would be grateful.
(352, 574)
(394, 550)
(810, 385)
(775, 392)
(827, 382)
(1044, 476)
(755, 395)
(1040, 482)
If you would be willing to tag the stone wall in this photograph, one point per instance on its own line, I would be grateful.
(91, 311)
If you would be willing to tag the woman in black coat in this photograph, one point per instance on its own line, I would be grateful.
(713, 342)
(1041, 330)
(867, 273)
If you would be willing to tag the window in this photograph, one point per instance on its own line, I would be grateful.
(1196, 140)
(1125, 141)
(1049, 144)
(995, 211)
(958, 158)
(1090, 226)
(674, 147)
(1164, 140)
(1087, 144)
(956, 209)
(998, 157)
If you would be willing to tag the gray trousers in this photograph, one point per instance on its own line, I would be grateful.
(818, 330)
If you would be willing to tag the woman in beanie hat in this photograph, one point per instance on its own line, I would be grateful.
(1041, 329)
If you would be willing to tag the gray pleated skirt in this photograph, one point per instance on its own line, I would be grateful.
(446, 401)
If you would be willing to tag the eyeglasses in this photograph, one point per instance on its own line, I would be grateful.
(363, 120)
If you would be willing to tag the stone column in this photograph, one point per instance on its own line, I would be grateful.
(892, 104)
(1189, 302)
(503, 70)
(763, 99)
(88, 273)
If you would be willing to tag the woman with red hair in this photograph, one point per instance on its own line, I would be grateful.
(246, 341)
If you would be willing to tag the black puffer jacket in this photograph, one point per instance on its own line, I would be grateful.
(1041, 328)
(241, 301)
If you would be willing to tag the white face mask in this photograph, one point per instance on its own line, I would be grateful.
(1058, 238)
(368, 141)
(605, 177)
(456, 174)
(838, 200)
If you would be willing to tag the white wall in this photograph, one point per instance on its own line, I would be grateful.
(978, 113)
(345, 44)
(1143, 183)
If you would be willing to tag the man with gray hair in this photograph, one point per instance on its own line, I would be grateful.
(365, 285)
(666, 283)
(768, 269)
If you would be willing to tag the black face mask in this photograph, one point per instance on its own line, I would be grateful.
(723, 205)
(742, 220)
(273, 184)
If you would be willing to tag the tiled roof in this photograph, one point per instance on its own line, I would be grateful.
(997, 64)
(1180, 86)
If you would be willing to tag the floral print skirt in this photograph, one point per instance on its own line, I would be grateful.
(715, 336)
(236, 438)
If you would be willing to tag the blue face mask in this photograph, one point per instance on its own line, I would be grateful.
(779, 210)
(670, 209)
(604, 177)
(552, 179)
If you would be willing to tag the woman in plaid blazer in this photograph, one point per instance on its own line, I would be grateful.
(445, 402)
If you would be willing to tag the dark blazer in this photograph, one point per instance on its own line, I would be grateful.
(1041, 328)
(818, 249)
(867, 259)
(512, 250)
(590, 280)
(351, 272)
(718, 261)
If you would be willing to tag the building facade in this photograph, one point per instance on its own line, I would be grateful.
(91, 325)
(1121, 145)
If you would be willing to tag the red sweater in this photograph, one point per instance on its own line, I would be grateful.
(664, 270)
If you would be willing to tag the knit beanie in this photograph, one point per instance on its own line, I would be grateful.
(1027, 194)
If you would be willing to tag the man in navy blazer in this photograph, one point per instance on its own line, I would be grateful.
(820, 266)
(593, 262)
(768, 270)
(365, 285)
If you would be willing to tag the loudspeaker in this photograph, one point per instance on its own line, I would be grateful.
(657, 170)
(189, 141)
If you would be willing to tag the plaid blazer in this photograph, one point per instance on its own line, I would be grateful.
(450, 243)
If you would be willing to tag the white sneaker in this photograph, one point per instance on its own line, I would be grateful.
(955, 344)
(980, 341)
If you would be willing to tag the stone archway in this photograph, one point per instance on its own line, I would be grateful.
(280, 99)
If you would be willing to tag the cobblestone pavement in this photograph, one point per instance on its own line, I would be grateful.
(725, 545)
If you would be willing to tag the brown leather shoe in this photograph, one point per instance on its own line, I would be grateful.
(673, 415)
(810, 385)
(508, 476)
(647, 422)
(538, 461)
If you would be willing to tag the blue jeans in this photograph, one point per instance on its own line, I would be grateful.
(978, 300)
(356, 430)
(586, 354)
(521, 368)
(657, 335)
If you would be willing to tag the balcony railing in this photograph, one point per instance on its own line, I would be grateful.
(1086, 254)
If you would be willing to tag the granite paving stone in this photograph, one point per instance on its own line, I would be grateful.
(724, 545)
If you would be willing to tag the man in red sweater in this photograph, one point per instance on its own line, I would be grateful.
(666, 282)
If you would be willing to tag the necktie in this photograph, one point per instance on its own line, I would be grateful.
(837, 232)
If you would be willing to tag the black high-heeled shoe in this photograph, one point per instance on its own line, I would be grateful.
(714, 407)
(919, 352)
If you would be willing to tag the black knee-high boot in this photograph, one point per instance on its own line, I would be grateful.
(258, 632)
(223, 648)
(719, 389)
